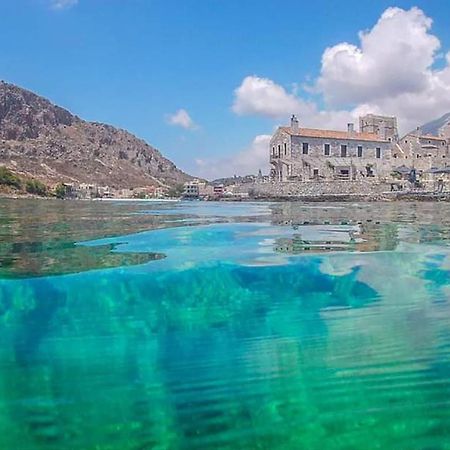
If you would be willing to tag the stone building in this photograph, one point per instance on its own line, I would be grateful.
(307, 154)
(383, 126)
(422, 152)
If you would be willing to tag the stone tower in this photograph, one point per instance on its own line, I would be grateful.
(383, 126)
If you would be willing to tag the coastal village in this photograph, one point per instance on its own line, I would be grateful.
(371, 160)
(309, 162)
(54, 153)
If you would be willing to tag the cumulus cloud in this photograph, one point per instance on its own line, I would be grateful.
(62, 4)
(391, 71)
(246, 162)
(181, 118)
(393, 58)
(263, 97)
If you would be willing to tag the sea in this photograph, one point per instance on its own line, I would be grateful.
(203, 325)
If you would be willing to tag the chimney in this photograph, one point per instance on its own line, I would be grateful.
(294, 124)
(351, 128)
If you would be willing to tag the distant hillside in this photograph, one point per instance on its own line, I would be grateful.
(44, 141)
(433, 128)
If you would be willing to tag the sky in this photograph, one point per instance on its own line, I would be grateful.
(208, 81)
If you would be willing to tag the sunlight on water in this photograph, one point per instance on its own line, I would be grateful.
(210, 326)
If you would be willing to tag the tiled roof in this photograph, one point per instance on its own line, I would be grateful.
(425, 136)
(331, 134)
(432, 138)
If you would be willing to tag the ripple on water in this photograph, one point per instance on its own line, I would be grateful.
(269, 326)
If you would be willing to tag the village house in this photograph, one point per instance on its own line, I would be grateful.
(421, 151)
(307, 154)
(426, 155)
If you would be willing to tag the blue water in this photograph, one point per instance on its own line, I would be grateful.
(224, 326)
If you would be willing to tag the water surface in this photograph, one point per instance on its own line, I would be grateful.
(224, 326)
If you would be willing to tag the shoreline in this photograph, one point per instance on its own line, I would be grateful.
(326, 198)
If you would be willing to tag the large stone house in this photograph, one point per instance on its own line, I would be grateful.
(426, 153)
(305, 154)
(421, 151)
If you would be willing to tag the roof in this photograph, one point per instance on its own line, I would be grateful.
(437, 170)
(331, 134)
(402, 170)
(425, 136)
(432, 138)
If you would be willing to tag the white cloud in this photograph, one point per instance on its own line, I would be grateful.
(182, 119)
(263, 97)
(393, 58)
(391, 71)
(246, 162)
(62, 4)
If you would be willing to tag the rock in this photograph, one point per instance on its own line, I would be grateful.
(47, 142)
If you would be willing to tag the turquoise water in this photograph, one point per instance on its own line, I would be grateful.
(224, 326)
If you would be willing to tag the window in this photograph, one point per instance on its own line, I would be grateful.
(316, 172)
(273, 151)
(360, 151)
(326, 149)
(305, 148)
(279, 150)
(378, 151)
(343, 151)
(285, 149)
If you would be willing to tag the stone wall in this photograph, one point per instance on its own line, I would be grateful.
(288, 161)
(421, 152)
(314, 189)
(383, 126)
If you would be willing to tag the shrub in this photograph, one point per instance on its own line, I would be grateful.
(7, 178)
(36, 187)
(139, 195)
(176, 191)
(60, 191)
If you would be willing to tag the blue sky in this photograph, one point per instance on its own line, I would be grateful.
(206, 81)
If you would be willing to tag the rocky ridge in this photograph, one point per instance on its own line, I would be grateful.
(435, 127)
(45, 141)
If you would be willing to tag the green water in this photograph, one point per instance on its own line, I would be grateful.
(224, 326)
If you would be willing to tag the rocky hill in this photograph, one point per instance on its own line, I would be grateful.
(435, 127)
(44, 141)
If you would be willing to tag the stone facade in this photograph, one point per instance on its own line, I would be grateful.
(422, 152)
(314, 189)
(302, 154)
(384, 127)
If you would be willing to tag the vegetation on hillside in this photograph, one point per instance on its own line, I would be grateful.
(60, 191)
(7, 178)
(9, 181)
(176, 191)
(36, 187)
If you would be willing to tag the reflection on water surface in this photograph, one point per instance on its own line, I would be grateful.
(210, 326)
